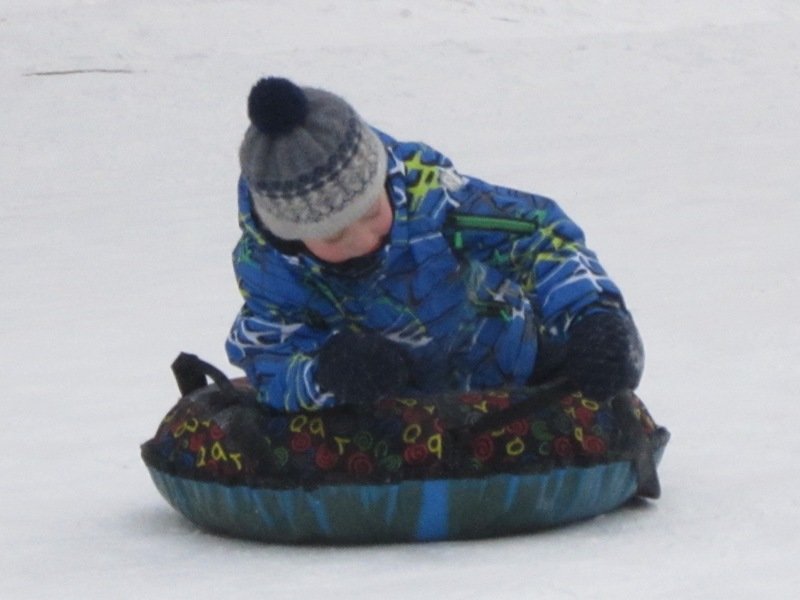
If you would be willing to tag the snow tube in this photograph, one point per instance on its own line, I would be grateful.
(433, 467)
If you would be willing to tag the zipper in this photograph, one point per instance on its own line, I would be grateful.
(505, 224)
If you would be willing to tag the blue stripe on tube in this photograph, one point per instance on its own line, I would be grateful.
(433, 511)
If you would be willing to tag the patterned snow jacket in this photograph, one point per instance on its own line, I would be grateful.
(471, 275)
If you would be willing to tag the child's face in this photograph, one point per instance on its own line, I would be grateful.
(357, 239)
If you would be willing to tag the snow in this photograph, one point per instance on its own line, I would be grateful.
(669, 131)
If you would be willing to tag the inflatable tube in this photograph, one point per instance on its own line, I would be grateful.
(451, 466)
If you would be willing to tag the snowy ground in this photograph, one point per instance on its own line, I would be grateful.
(669, 130)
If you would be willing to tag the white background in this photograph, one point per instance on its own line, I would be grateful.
(669, 130)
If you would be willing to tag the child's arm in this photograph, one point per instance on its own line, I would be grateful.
(292, 370)
(274, 337)
(279, 360)
(585, 331)
(526, 237)
(530, 240)
(294, 359)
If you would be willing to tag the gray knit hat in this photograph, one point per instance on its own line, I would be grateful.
(312, 165)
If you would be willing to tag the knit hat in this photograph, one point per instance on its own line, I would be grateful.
(312, 165)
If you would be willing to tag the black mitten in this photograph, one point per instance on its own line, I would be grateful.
(603, 355)
(358, 368)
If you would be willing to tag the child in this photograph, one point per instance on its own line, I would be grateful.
(370, 266)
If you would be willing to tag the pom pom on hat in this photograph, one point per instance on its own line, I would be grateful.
(276, 106)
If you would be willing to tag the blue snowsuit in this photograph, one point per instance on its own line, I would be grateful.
(471, 275)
